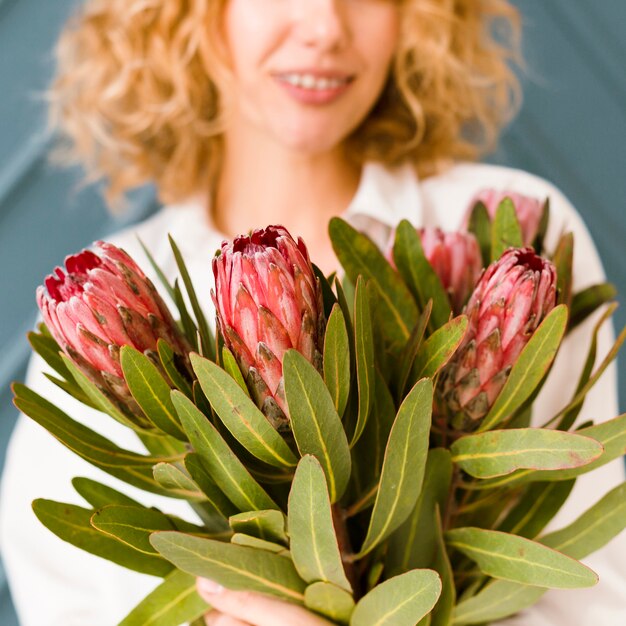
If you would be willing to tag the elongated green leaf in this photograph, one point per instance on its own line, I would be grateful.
(364, 347)
(360, 256)
(240, 415)
(611, 434)
(409, 353)
(480, 226)
(500, 452)
(314, 547)
(175, 601)
(174, 370)
(418, 274)
(70, 387)
(400, 601)
(188, 326)
(131, 525)
(591, 531)
(220, 504)
(235, 567)
(443, 610)
(316, 426)
(538, 506)
(151, 391)
(506, 231)
(413, 545)
(329, 601)
(403, 467)
(530, 367)
(206, 336)
(563, 261)
(230, 366)
(521, 560)
(544, 222)
(178, 482)
(71, 523)
(437, 350)
(102, 402)
(157, 270)
(498, 599)
(99, 495)
(337, 359)
(251, 541)
(328, 297)
(223, 466)
(585, 302)
(130, 467)
(594, 528)
(268, 525)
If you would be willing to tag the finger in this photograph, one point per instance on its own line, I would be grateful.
(217, 618)
(256, 608)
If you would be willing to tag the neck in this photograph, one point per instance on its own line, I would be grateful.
(262, 183)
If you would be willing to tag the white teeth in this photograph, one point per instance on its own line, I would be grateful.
(308, 81)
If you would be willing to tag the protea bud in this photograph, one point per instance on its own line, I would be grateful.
(268, 300)
(529, 210)
(99, 303)
(512, 297)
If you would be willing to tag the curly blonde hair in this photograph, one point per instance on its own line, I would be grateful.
(136, 93)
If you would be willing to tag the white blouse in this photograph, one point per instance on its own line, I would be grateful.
(56, 584)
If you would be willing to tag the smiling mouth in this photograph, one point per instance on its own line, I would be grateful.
(312, 82)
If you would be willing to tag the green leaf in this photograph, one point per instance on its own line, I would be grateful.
(359, 255)
(480, 226)
(437, 350)
(563, 261)
(585, 302)
(544, 222)
(498, 599)
(241, 416)
(206, 337)
(521, 560)
(162, 445)
(221, 462)
(150, 390)
(131, 525)
(70, 387)
(403, 467)
(316, 426)
(128, 466)
(364, 349)
(537, 507)
(594, 528)
(329, 601)
(101, 401)
(400, 601)
(235, 567)
(175, 601)
(174, 370)
(314, 547)
(157, 270)
(230, 365)
(530, 367)
(442, 613)
(337, 359)
(189, 328)
(414, 543)
(500, 452)
(71, 523)
(328, 297)
(418, 274)
(250, 541)
(409, 353)
(268, 525)
(99, 495)
(506, 232)
(178, 482)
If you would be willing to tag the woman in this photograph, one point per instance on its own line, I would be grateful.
(251, 112)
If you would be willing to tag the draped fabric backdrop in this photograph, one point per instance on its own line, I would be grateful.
(571, 130)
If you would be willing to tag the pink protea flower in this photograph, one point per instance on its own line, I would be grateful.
(529, 210)
(268, 300)
(99, 303)
(512, 297)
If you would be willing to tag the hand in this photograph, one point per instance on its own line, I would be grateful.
(246, 608)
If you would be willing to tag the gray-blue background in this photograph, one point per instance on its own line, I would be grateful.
(571, 130)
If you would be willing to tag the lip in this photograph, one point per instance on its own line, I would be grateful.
(314, 96)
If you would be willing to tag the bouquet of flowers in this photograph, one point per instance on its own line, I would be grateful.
(358, 445)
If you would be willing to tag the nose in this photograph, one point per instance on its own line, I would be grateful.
(321, 23)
